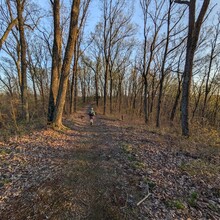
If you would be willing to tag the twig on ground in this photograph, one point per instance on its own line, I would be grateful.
(143, 199)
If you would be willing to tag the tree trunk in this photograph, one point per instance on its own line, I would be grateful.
(56, 61)
(173, 112)
(198, 98)
(193, 35)
(212, 56)
(57, 121)
(145, 100)
(74, 72)
(159, 100)
(72, 92)
(34, 88)
(7, 31)
(163, 66)
(216, 107)
(111, 88)
(24, 98)
(75, 91)
(96, 83)
(106, 87)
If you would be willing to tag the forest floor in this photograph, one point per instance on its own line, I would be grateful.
(105, 171)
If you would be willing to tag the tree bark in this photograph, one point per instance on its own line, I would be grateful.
(73, 83)
(212, 57)
(163, 66)
(146, 101)
(57, 121)
(56, 61)
(96, 82)
(173, 112)
(193, 35)
(7, 31)
(23, 45)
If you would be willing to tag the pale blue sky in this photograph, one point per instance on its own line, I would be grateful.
(95, 13)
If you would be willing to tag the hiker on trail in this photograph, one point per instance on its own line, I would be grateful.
(91, 115)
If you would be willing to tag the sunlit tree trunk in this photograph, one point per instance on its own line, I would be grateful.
(194, 27)
(56, 60)
(57, 121)
(23, 45)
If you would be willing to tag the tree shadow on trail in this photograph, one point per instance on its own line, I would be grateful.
(80, 188)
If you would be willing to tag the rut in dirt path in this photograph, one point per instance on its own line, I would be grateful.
(80, 190)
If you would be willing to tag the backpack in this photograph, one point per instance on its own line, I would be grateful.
(91, 113)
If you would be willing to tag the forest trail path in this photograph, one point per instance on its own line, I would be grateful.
(79, 178)
(101, 172)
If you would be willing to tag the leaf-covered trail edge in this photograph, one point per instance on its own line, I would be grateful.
(103, 171)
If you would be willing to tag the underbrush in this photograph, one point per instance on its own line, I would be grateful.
(22, 127)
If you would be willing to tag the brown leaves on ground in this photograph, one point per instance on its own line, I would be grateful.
(103, 171)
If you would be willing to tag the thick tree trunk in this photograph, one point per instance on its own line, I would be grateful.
(24, 95)
(57, 121)
(193, 35)
(187, 78)
(56, 61)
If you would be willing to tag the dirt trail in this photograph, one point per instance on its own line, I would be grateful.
(79, 189)
(101, 172)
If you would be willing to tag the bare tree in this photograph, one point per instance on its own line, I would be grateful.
(213, 54)
(56, 60)
(116, 27)
(156, 18)
(77, 54)
(194, 26)
(171, 33)
(57, 120)
(11, 21)
(23, 45)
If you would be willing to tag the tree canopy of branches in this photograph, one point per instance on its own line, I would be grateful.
(157, 60)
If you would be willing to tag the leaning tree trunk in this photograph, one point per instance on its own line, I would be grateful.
(7, 31)
(57, 121)
(23, 45)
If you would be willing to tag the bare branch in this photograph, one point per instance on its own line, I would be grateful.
(182, 2)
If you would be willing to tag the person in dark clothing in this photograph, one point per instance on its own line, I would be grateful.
(91, 115)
